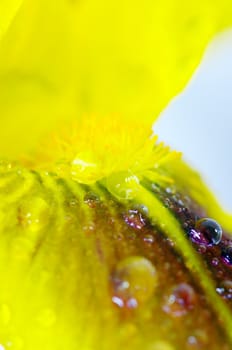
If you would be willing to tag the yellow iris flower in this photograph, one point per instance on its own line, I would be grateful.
(98, 73)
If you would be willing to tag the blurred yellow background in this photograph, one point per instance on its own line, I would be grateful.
(62, 59)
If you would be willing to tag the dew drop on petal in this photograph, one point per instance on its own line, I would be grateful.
(148, 238)
(133, 281)
(227, 255)
(5, 166)
(192, 342)
(202, 249)
(73, 202)
(134, 219)
(91, 199)
(206, 232)
(225, 289)
(180, 301)
(170, 242)
(123, 185)
(33, 214)
(215, 262)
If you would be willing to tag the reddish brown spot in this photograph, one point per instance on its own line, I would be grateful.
(180, 301)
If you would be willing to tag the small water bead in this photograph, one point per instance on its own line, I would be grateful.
(73, 202)
(5, 166)
(225, 289)
(134, 219)
(170, 242)
(85, 168)
(206, 232)
(192, 342)
(202, 249)
(91, 199)
(215, 261)
(33, 214)
(181, 300)
(227, 255)
(148, 238)
(227, 284)
(133, 281)
(123, 186)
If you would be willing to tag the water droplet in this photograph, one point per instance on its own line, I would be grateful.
(227, 284)
(148, 238)
(5, 166)
(170, 190)
(202, 249)
(46, 318)
(123, 185)
(225, 289)
(33, 214)
(91, 199)
(170, 242)
(206, 232)
(134, 219)
(73, 202)
(227, 255)
(180, 301)
(90, 228)
(192, 341)
(85, 168)
(133, 281)
(215, 261)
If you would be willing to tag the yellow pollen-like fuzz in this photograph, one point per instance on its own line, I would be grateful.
(96, 147)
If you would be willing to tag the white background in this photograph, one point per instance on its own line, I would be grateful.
(199, 121)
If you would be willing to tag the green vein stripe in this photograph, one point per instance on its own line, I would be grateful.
(50, 184)
(23, 187)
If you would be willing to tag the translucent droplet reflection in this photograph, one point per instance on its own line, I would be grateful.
(133, 281)
(206, 232)
(123, 185)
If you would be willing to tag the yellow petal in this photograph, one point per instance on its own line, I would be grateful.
(8, 10)
(64, 58)
(68, 253)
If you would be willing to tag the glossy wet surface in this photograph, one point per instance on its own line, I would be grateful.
(75, 258)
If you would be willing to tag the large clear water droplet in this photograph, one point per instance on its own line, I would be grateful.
(206, 232)
(133, 282)
(124, 185)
